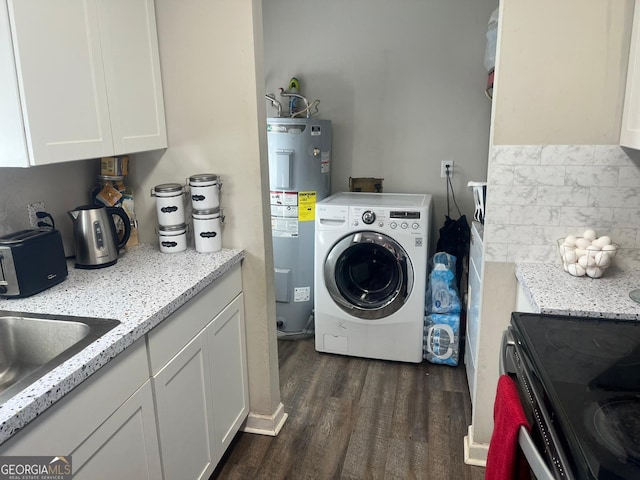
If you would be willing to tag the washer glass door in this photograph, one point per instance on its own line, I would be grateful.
(369, 275)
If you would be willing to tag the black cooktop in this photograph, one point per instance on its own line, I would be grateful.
(590, 369)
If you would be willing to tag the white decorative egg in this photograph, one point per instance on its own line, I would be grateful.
(594, 272)
(602, 241)
(609, 248)
(582, 242)
(589, 234)
(570, 256)
(602, 259)
(576, 270)
(570, 240)
(586, 261)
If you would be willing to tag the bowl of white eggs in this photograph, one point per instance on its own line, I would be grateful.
(588, 255)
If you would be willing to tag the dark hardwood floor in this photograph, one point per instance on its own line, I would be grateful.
(354, 418)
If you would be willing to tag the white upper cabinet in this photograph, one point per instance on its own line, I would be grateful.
(630, 130)
(85, 78)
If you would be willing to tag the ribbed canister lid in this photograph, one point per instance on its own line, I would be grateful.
(203, 177)
(172, 228)
(168, 188)
(212, 211)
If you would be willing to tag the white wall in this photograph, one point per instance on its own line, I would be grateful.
(211, 60)
(402, 82)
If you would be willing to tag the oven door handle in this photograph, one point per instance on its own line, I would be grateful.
(507, 343)
(529, 449)
(535, 460)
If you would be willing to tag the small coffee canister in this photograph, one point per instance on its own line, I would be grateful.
(207, 229)
(173, 239)
(169, 204)
(205, 191)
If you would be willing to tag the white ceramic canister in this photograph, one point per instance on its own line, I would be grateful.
(207, 230)
(173, 239)
(169, 204)
(205, 191)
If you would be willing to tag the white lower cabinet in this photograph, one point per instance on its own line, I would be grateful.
(185, 414)
(124, 446)
(474, 299)
(201, 393)
(229, 380)
(167, 407)
(107, 424)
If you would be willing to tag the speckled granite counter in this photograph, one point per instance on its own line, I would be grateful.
(554, 291)
(141, 290)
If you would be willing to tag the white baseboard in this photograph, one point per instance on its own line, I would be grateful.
(265, 424)
(475, 453)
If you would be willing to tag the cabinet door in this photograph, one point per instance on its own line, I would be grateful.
(228, 354)
(13, 147)
(124, 446)
(630, 129)
(61, 79)
(185, 418)
(132, 67)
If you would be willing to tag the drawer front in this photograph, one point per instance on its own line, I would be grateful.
(475, 250)
(168, 338)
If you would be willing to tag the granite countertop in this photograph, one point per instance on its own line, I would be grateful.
(140, 291)
(554, 291)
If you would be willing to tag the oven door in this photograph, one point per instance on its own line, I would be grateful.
(545, 455)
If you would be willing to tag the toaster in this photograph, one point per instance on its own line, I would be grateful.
(31, 261)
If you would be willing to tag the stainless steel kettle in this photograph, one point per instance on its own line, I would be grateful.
(95, 237)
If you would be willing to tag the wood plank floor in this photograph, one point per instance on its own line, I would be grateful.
(353, 418)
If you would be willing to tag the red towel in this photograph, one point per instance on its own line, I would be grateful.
(505, 461)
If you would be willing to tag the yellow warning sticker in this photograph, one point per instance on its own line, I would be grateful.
(306, 206)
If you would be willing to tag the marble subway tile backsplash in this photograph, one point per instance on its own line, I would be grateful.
(539, 193)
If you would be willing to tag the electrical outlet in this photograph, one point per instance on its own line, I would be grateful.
(32, 209)
(443, 168)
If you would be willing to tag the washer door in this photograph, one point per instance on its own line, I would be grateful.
(369, 275)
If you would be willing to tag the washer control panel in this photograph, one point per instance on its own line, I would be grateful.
(388, 219)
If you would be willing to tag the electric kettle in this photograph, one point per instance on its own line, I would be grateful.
(95, 238)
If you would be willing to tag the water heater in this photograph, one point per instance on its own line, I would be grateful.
(299, 176)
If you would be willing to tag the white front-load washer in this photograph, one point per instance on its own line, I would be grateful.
(370, 273)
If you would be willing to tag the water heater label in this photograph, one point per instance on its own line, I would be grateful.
(302, 294)
(306, 206)
(284, 198)
(284, 227)
(325, 162)
(289, 211)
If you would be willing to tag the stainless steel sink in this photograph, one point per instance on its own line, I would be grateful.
(32, 344)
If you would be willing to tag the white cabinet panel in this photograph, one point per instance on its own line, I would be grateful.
(630, 129)
(474, 301)
(132, 69)
(61, 77)
(229, 372)
(185, 417)
(80, 78)
(13, 146)
(125, 446)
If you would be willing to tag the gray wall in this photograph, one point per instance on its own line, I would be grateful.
(402, 82)
(60, 186)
